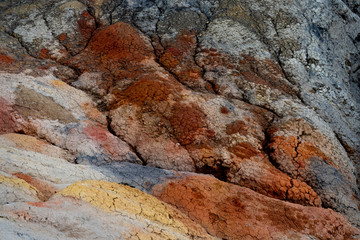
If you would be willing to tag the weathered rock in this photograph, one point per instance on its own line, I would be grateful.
(261, 94)
(52, 172)
(306, 154)
(59, 218)
(188, 132)
(45, 106)
(29, 143)
(232, 212)
(312, 70)
(130, 202)
(118, 53)
(16, 190)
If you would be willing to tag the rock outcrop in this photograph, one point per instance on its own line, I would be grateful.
(104, 103)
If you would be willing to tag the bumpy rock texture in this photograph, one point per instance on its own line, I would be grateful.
(104, 103)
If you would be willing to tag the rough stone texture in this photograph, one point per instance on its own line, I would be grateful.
(59, 218)
(54, 172)
(130, 202)
(232, 212)
(261, 94)
(35, 167)
(16, 190)
(44, 106)
(30, 143)
(306, 154)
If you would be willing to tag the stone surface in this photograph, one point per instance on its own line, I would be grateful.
(130, 202)
(30, 143)
(263, 95)
(16, 190)
(59, 218)
(44, 106)
(232, 212)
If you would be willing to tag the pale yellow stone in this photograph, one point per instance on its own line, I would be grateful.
(17, 182)
(58, 83)
(131, 202)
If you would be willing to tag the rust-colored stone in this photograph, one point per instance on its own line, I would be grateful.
(178, 57)
(43, 54)
(5, 59)
(237, 126)
(232, 212)
(144, 92)
(86, 25)
(244, 150)
(62, 37)
(119, 51)
(44, 188)
(300, 152)
(120, 43)
(224, 110)
(187, 122)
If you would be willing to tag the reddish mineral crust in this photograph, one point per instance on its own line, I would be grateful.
(232, 212)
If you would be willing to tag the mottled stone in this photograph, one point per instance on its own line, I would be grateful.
(59, 218)
(46, 106)
(232, 212)
(30, 143)
(8, 122)
(306, 154)
(127, 201)
(260, 94)
(31, 104)
(118, 52)
(16, 190)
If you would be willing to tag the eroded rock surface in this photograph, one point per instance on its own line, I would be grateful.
(263, 95)
(232, 212)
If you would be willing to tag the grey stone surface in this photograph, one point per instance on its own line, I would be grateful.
(335, 189)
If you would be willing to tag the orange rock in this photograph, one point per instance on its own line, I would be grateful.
(134, 204)
(117, 51)
(299, 152)
(62, 37)
(258, 174)
(93, 113)
(244, 150)
(120, 42)
(5, 59)
(187, 121)
(46, 189)
(178, 58)
(29, 143)
(144, 92)
(232, 212)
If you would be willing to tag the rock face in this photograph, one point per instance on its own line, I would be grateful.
(227, 211)
(100, 97)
